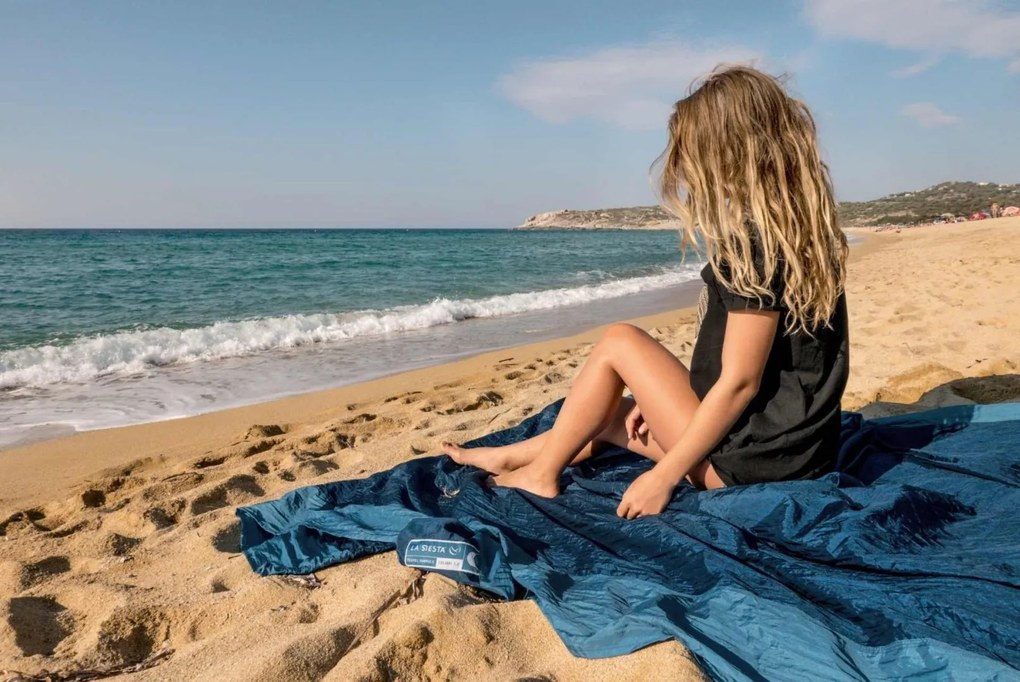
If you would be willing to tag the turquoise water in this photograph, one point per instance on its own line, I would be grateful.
(106, 327)
(56, 286)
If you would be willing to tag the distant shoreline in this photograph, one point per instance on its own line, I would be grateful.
(633, 218)
(944, 203)
(572, 220)
(595, 228)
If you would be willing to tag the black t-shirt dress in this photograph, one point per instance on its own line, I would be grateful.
(790, 430)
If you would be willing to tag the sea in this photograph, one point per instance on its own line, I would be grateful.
(103, 328)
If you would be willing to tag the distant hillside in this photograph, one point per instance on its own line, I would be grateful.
(633, 218)
(958, 198)
(904, 208)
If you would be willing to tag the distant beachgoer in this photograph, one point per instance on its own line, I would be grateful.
(996, 211)
(761, 400)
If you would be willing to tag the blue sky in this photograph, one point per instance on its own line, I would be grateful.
(473, 113)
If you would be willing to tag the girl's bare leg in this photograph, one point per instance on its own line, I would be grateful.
(624, 356)
(500, 459)
(504, 458)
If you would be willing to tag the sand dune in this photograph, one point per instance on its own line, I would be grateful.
(136, 566)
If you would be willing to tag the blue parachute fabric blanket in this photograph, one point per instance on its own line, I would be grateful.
(905, 563)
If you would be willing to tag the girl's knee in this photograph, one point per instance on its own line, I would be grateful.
(620, 335)
(621, 330)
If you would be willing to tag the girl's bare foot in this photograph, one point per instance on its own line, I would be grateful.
(489, 459)
(527, 478)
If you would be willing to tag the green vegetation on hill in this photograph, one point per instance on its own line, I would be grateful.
(905, 208)
(633, 218)
(633, 215)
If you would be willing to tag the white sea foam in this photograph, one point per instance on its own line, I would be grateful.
(133, 352)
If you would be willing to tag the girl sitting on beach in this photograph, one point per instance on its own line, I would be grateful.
(761, 400)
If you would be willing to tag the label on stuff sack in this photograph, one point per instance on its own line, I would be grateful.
(442, 555)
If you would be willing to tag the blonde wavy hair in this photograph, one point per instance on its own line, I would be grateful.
(743, 163)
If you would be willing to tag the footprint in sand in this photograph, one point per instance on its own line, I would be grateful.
(235, 490)
(39, 624)
(306, 467)
(259, 431)
(41, 571)
(228, 538)
(295, 613)
(23, 520)
(318, 652)
(248, 450)
(18, 576)
(209, 462)
(130, 635)
(343, 441)
(65, 530)
(482, 401)
(165, 515)
(119, 545)
(408, 652)
(171, 486)
(93, 498)
(330, 441)
(406, 398)
(111, 491)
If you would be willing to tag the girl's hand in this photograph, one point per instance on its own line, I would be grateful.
(635, 423)
(648, 494)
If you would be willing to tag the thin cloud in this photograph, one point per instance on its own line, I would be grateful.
(917, 67)
(976, 28)
(929, 115)
(631, 87)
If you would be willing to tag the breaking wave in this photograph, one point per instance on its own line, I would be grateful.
(135, 351)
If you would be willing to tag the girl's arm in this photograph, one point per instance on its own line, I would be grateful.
(746, 345)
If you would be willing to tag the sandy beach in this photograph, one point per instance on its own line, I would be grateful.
(119, 548)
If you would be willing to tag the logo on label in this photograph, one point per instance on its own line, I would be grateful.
(442, 555)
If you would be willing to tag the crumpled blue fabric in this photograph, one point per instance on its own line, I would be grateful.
(902, 564)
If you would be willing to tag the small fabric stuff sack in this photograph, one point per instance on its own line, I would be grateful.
(448, 547)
